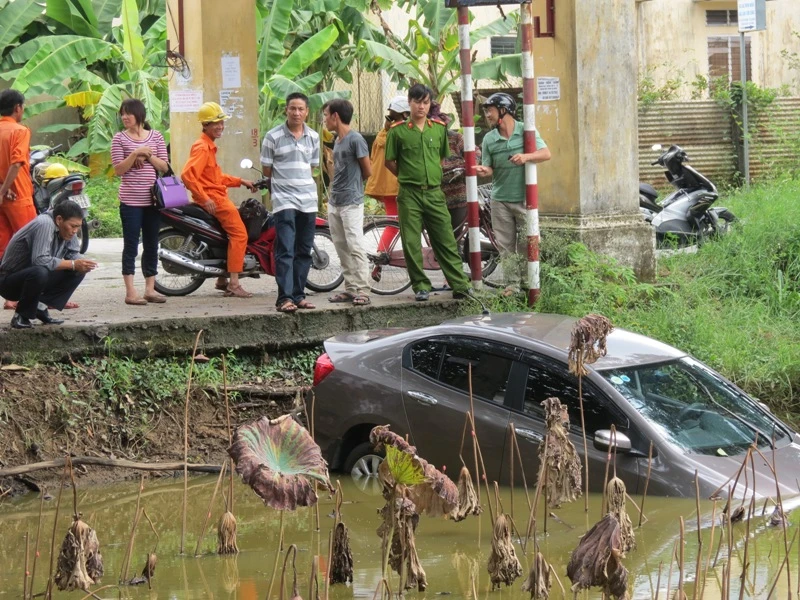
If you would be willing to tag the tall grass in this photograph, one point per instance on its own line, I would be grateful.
(735, 304)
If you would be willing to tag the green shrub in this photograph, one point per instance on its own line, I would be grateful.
(105, 206)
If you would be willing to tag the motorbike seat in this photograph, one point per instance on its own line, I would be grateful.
(647, 190)
(193, 210)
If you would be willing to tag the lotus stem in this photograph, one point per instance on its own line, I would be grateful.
(292, 550)
(780, 507)
(710, 547)
(521, 468)
(186, 441)
(36, 543)
(25, 572)
(123, 572)
(49, 590)
(669, 573)
(698, 564)
(784, 563)
(230, 431)
(743, 576)
(313, 580)
(646, 482)
(100, 589)
(658, 579)
(511, 456)
(585, 447)
(558, 581)
(475, 446)
(208, 512)
(736, 475)
(680, 592)
(728, 562)
(328, 566)
(531, 530)
(604, 500)
(277, 557)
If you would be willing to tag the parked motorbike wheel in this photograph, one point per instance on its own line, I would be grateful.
(83, 236)
(325, 273)
(171, 279)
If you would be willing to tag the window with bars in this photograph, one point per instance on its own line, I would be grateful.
(506, 44)
(722, 18)
(724, 58)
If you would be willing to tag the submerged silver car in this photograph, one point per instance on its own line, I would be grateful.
(417, 382)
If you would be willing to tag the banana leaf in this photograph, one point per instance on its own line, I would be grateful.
(276, 27)
(280, 461)
(15, 18)
(304, 55)
(76, 15)
(106, 11)
(63, 62)
(133, 44)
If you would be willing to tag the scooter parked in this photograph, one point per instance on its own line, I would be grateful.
(193, 247)
(53, 183)
(686, 216)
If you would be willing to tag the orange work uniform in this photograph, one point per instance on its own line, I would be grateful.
(15, 143)
(204, 178)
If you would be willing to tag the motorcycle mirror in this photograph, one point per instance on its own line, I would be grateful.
(656, 147)
(246, 163)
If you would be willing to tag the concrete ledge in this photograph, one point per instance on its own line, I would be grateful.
(252, 332)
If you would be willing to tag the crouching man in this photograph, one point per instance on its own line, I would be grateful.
(42, 265)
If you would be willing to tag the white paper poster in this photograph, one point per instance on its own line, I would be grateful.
(232, 104)
(548, 89)
(231, 72)
(183, 101)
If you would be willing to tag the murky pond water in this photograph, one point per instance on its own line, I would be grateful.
(454, 555)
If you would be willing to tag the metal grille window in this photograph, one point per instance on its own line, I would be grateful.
(724, 58)
(722, 18)
(506, 44)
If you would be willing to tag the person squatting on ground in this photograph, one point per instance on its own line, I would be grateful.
(16, 188)
(42, 265)
(289, 153)
(346, 201)
(504, 160)
(137, 153)
(204, 178)
(382, 184)
(414, 152)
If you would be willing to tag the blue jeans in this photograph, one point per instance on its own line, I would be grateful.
(147, 221)
(294, 237)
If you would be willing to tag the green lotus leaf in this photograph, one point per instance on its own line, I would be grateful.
(405, 468)
(280, 461)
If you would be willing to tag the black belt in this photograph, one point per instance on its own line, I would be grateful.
(421, 187)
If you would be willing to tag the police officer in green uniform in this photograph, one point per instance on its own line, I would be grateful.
(414, 152)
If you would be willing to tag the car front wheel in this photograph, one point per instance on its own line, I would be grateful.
(363, 463)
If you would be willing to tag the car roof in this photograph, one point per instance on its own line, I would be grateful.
(624, 348)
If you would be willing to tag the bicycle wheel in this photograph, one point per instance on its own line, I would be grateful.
(325, 273)
(384, 278)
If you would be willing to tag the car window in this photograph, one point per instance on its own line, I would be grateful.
(426, 356)
(547, 380)
(489, 371)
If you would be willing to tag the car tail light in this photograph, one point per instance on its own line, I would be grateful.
(322, 368)
(76, 187)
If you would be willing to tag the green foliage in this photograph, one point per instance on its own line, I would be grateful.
(405, 469)
(104, 193)
(649, 92)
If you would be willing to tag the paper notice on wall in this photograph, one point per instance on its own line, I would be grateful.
(548, 89)
(231, 72)
(232, 104)
(183, 101)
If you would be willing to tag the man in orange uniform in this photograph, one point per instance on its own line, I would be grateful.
(209, 186)
(16, 189)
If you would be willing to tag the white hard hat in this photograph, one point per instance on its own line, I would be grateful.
(399, 104)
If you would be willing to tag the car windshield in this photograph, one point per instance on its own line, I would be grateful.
(694, 408)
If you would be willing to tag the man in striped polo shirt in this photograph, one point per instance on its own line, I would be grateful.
(289, 153)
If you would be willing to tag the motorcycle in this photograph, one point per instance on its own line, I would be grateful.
(49, 190)
(686, 216)
(193, 247)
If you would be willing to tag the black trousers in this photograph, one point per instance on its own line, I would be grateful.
(39, 284)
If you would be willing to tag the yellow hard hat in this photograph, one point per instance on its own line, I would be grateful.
(211, 112)
(55, 170)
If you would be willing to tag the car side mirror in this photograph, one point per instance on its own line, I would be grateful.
(604, 440)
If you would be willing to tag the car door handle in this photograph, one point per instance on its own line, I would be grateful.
(423, 398)
(530, 435)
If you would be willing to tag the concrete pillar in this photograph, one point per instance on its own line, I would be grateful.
(219, 45)
(589, 189)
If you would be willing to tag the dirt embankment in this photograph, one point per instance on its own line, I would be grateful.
(46, 414)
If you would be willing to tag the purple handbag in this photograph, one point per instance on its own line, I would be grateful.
(168, 191)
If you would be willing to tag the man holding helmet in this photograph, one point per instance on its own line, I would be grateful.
(204, 178)
(503, 159)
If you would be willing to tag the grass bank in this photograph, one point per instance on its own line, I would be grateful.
(734, 304)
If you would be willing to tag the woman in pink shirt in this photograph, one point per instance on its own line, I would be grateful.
(137, 153)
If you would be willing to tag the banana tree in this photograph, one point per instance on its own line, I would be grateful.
(429, 53)
(93, 71)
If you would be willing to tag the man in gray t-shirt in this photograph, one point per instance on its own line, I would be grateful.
(351, 166)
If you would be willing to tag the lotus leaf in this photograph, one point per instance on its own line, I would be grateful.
(597, 560)
(437, 495)
(615, 492)
(467, 497)
(280, 461)
(588, 342)
(79, 562)
(504, 566)
(538, 582)
(562, 469)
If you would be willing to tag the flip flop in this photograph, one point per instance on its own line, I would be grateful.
(287, 306)
(361, 300)
(342, 297)
(237, 292)
(306, 305)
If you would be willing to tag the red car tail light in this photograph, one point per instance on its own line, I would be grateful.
(322, 368)
(76, 187)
